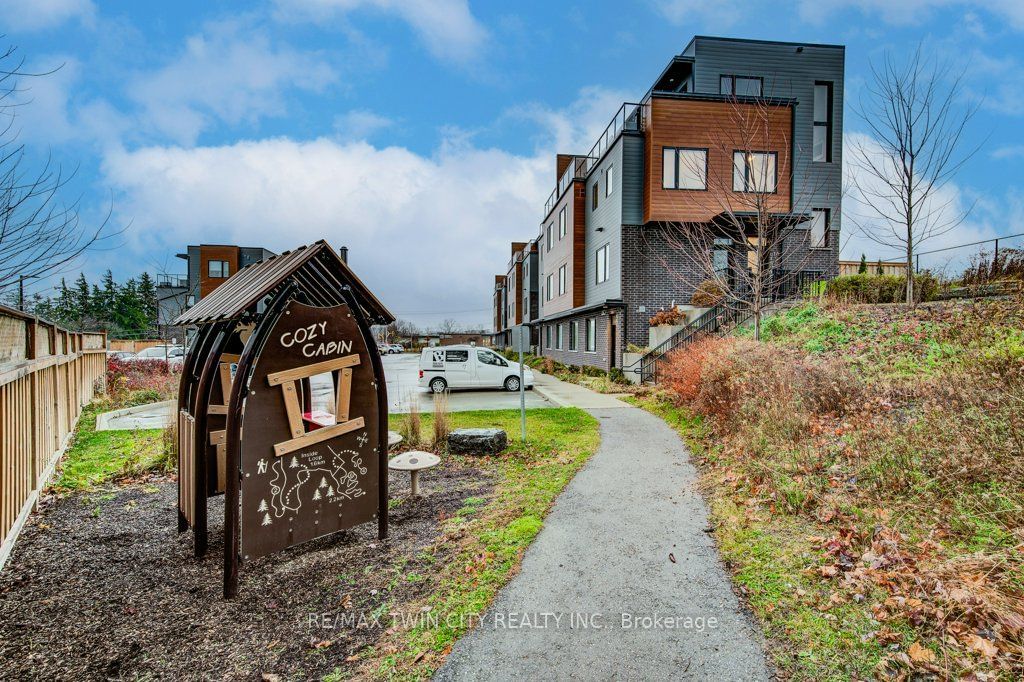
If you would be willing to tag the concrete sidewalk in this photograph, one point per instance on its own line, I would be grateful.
(626, 540)
(564, 394)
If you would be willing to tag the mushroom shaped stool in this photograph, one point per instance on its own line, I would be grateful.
(414, 461)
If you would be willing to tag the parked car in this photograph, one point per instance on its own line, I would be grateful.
(464, 366)
(382, 349)
(174, 355)
(396, 348)
(119, 354)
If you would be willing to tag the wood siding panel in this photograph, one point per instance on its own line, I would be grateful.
(207, 253)
(714, 126)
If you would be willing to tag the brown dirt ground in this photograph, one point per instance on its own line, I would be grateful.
(101, 586)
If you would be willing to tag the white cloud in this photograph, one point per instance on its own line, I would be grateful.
(447, 27)
(714, 12)
(229, 73)
(360, 124)
(427, 234)
(911, 12)
(34, 15)
(1013, 151)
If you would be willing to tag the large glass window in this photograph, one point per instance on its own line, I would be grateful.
(591, 335)
(548, 288)
(559, 336)
(822, 142)
(609, 180)
(219, 269)
(549, 235)
(547, 336)
(574, 334)
(741, 86)
(561, 280)
(755, 171)
(601, 263)
(720, 257)
(683, 168)
(593, 197)
(561, 223)
(819, 228)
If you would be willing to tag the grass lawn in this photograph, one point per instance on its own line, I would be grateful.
(488, 536)
(96, 457)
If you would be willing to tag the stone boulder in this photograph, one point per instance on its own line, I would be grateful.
(477, 441)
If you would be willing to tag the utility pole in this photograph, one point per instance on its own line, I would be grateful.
(21, 293)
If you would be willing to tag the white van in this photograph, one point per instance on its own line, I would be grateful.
(462, 366)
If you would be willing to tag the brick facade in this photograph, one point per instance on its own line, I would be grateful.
(601, 356)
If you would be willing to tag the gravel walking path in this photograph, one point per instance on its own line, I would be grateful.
(624, 581)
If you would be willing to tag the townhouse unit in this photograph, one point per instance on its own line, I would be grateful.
(516, 296)
(210, 265)
(683, 156)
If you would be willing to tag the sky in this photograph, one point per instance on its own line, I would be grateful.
(422, 133)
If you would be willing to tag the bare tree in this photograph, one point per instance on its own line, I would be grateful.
(40, 233)
(917, 124)
(746, 244)
(448, 326)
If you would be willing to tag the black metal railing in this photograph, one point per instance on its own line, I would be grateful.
(722, 318)
(180, 281)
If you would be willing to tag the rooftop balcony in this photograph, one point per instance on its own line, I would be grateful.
(627, 118)
(176, 281)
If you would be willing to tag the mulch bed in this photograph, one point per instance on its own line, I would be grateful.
(101, 586)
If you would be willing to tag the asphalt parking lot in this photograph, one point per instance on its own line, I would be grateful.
(402, 372)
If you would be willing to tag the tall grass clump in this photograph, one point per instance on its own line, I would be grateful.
(412, 427)
(442, 421)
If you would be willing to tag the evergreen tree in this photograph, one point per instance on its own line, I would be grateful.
(880, 270)
(863, 265)
(147, 296)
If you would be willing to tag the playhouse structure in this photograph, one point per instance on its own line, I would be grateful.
(282, 407)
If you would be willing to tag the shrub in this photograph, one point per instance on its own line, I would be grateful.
(681, 370)
(669, 316)
(411, 426)
(136, 383)
(864, 288)
(709, 293)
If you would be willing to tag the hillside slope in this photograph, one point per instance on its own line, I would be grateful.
(865, 466)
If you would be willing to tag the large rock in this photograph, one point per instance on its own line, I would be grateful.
(477, 441)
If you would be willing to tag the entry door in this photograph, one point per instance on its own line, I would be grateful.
(458, 370)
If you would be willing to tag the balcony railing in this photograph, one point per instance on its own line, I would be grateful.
(180, 281)
(577, 168)
(627, 118)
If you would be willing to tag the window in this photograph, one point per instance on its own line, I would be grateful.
(574, 335)
(755, 171)
(548, 288)
(593, 197)
(561, 280)
(489, 358)
(609, 180)
(549, 235)
(720, 257)
(822, 142)
(561, 223)
(684, 168)
(219, 268)
(456, 356)
(591, 335)
(601, 263)
(819, 227)
(547, 336)
(740, 86)
(558, 336)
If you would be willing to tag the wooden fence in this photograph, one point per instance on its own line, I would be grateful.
(46, 375)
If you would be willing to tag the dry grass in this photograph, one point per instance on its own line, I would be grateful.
(442, 420)
(412, 427)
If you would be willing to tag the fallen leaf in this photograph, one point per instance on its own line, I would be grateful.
(671, 557)
(920, 654)
(983, 646)
(828, 571)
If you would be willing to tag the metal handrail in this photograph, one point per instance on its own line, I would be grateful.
(575, 169)
(626, 118)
